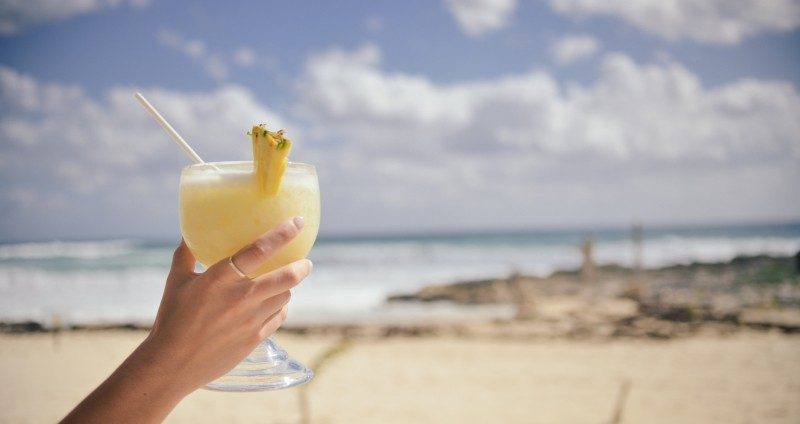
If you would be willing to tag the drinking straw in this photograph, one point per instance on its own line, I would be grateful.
(169, 130)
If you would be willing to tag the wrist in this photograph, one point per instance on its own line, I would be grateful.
(142, 389)
(157, 372)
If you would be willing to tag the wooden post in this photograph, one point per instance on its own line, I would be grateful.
(587, 263)
(636, 286)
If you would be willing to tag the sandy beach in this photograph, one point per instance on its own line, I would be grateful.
(743, 378)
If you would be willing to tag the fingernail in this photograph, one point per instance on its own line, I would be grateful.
(299, 222)
(310, 264)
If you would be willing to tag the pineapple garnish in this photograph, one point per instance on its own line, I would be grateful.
(270, 152)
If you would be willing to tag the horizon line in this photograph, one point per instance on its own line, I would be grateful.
(437, 233)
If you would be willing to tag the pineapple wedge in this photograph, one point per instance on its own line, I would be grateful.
(270, 157)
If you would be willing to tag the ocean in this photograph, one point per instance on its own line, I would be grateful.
(112, 282)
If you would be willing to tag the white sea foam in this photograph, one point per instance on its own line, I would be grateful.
(62, 249)
(80, 297)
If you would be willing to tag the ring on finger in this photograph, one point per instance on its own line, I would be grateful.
(236, 268)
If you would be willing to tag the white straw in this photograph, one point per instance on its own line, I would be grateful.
(168, 128)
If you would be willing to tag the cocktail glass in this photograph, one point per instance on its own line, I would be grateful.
(221, 211)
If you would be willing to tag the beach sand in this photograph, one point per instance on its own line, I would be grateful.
(743, 378)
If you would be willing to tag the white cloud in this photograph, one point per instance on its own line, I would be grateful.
(195, 49)
(708, 21)
(74, 165)
(213, 65)
(527, 150)
(478, 17)
(572, 48)
(398, 151)
(245, 57)
(659, 112)
(216, 65)
(17, 15)
(347, 87)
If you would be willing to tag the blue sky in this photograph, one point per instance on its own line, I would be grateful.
(420, 115)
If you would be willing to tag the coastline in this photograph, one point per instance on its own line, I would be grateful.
(95, 283)
(713, 342)
(747, 293)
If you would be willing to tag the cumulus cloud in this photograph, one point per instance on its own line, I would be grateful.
(644, 110)
(709, 21)
(520, 147)
(478, 17)
(74, 165)
(17, 15)
(572, 48)
(398, 151)
(213, 64)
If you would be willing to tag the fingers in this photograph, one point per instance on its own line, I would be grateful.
(282, 279)
(252, 256)
(274, 304)
(272, 323)
(272, 292)
(182, 260)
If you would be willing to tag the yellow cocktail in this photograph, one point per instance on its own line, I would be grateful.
(223, 207)
(222, 210)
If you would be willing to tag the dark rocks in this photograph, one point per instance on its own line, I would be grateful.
(22, 327)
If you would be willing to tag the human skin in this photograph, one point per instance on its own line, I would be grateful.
(206, 324)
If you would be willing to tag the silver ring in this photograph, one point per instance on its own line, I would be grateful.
(236, 268)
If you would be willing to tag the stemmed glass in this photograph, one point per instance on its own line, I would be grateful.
(221, 210)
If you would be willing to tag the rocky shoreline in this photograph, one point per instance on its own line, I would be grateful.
(757, 293)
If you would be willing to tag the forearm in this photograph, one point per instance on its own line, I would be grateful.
(142, 390)
(205, 325)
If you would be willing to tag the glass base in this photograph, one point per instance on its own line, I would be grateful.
(268, 367)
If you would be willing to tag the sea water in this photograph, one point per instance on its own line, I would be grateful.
(121, 281)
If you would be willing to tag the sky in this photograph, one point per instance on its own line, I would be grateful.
(420, 116)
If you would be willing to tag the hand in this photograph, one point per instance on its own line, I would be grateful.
(206, 324)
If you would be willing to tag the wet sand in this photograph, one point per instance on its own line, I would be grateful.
(746, 377)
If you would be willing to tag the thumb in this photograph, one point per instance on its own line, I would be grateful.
(183, 260)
